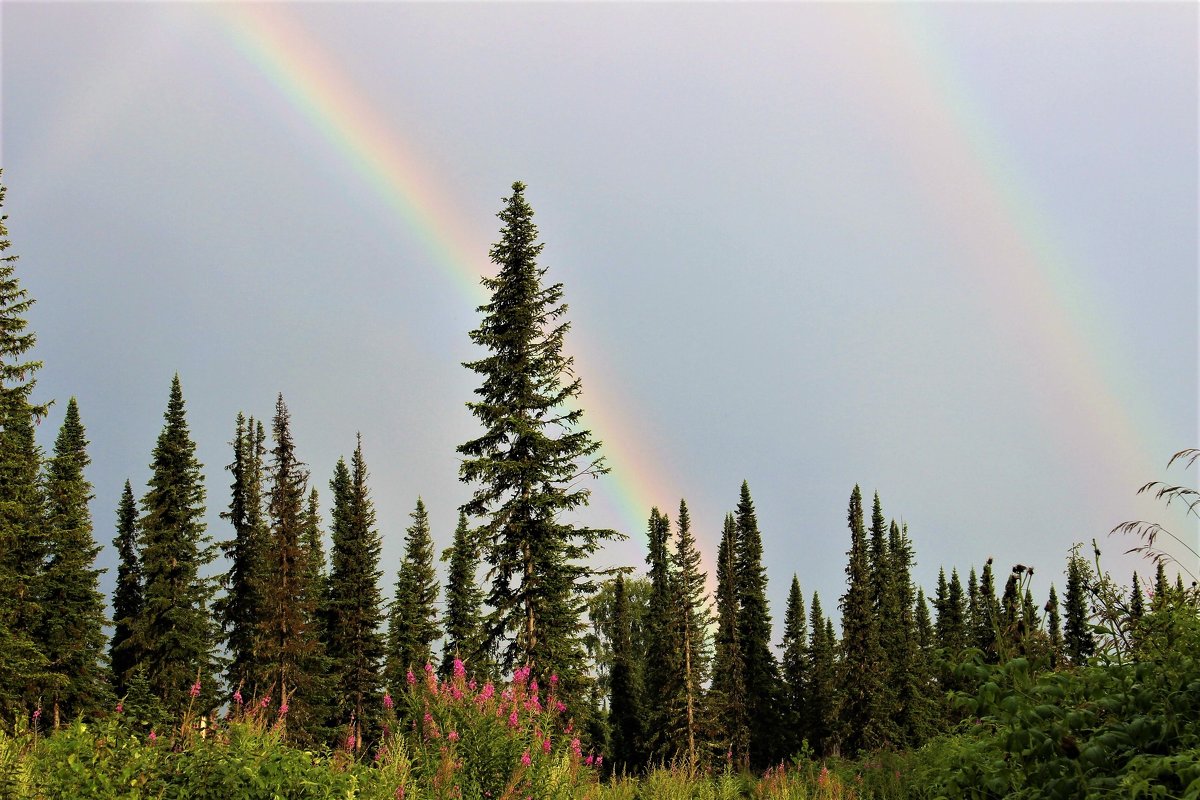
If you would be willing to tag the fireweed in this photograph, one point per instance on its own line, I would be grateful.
(456, 739)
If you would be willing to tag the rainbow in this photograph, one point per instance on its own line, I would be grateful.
(318, 89)
(934, 121)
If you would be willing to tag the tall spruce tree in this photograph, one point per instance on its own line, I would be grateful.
(1078, 641)
(175, 634)
(240, 610)
(893, 621)
(661, 676)
(72, 636)
(863, 663)
(412, 619)
(625, 717)
(822, 711)
(354, 613)
(289, 653)
(754, 633)
(127, 597)
(795, 668)
(528, 463)
(464, 600)
(727, 698)
(22, 522)
(684, 711)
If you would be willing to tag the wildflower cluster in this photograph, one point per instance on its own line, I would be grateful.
(463, 739)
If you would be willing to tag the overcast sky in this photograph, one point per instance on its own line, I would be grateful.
(947, 252)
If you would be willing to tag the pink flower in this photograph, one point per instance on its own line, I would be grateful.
(512, 719)
(546, 745)
(350, 741)
(575, 748)
(153, 736)
(599, 760)
(559, 707)
(237, 697)
(554, 679)
(487, 691)
(196, 689)
(452, 736)
(472, 685)
(460, 669)
(521, 674)
(266, 701)
(533, 687)
(120, 707)
(37, 713)
(387, 701)
(525, 759)
(534, 705)
(589, 760)
(428, 668)
(412, 679)
(283, 709)
(823, 778)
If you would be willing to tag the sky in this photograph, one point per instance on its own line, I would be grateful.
(947, 252)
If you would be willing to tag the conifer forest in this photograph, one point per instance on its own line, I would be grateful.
(276, 656)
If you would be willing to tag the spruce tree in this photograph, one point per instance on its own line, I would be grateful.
(728, 714)
(289, 653)
(822, 710)
(355, 644)
(22, 520)
(1054, 629)
(528, 463)
(754, 633)
(127, 597)
(662, 672)
(175, 634)
(1137, 605)
(684, 711)
(412, 619)
(986, 619)
(72, 636)
(863, 667)
(240, 610)
(1162, 589)
(463, 604)
(1077, 634)
(625, 712)
(795, 668)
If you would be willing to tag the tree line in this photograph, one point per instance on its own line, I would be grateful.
(659, 671)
